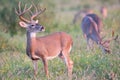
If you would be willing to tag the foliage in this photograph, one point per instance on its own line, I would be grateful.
(108, 2)
(8, 18)
(88, 65)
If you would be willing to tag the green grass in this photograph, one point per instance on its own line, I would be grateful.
(88, 65)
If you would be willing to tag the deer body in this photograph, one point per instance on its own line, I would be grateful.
(104, 11)
(46, 47)
(95, 20)
(49, 46)
(91, 27)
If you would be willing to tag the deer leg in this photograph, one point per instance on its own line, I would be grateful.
(88, 44)
(45, 66)
(87, 39)
(69, 63)
(69, 66)
(35, 65)
(91, 43)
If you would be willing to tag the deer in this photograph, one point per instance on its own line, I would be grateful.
(58, 44)
(91, 27)
(104, 12)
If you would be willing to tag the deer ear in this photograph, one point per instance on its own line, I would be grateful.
(23, 24)
(36, 21)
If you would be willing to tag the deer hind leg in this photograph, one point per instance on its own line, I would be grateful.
(44, 60)
(35, 65)
(91, 43)
(88, 44)
(69, 63)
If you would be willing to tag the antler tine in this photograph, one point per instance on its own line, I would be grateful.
(16, 11)
(19, 12)
(19, 6)
(25, 10)
(19, 9)
(25, 7)
(31, 12)
(37, 12)
(36, 9)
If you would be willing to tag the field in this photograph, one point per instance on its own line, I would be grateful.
(88, 65)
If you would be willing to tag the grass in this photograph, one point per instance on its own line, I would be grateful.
(88, 65)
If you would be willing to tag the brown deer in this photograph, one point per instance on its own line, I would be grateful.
(103, 11)
(46, 47)
(91, 27)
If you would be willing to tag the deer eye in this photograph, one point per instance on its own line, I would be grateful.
(31, 26)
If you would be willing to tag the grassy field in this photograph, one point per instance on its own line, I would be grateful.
(88, 65)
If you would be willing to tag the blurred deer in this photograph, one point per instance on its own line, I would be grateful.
(91, 27)
(103, 11)
(46, 47)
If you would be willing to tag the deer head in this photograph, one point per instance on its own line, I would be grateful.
(106, 43)
(30, 25)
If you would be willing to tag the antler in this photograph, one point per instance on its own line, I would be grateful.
(37, 12)
(20, 13)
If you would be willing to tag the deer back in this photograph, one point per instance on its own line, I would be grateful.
(91, 27)
(97, 20)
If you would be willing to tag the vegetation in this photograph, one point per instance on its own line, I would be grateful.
(88, 65)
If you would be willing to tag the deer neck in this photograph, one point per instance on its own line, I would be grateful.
(31, 41)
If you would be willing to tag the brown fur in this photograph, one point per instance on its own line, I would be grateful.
(51, 46)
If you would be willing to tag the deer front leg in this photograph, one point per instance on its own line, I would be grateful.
(35, 65)
(44, 60)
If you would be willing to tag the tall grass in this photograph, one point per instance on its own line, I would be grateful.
(88, 65)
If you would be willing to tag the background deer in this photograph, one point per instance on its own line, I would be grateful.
(104, 11)
(91, 27)
(46, 47)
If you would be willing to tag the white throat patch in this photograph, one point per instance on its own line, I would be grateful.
(32, 34)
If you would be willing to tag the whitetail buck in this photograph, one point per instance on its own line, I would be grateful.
(91, 27)
(46, 47)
